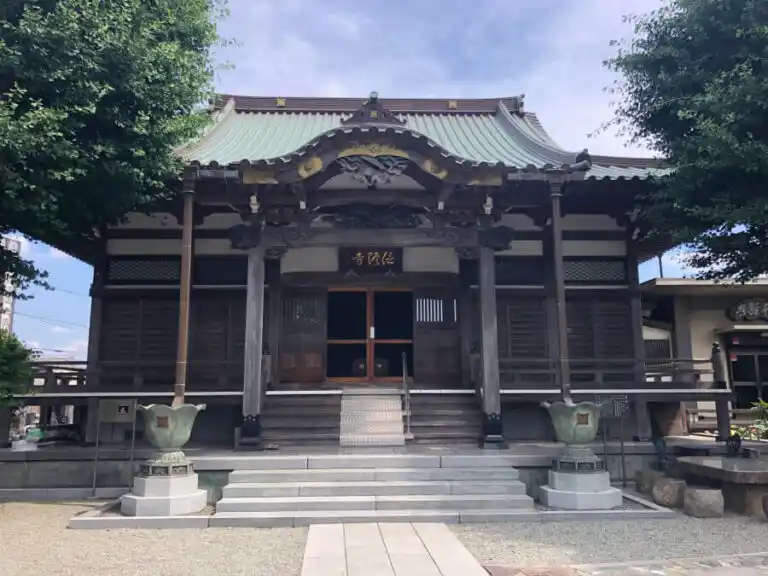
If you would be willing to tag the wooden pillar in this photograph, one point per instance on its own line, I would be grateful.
(254, 341)
(550, 303)
(185, 286)
(275, 319)
(466, 322)
(721, 404)
(92, 374)
(642, 416)
(492, 424)
(558, 276)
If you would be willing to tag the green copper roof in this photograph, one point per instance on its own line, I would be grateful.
(477, 133)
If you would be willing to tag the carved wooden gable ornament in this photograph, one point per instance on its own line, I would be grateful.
(373, 112)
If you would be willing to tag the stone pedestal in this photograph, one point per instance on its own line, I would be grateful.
(580, 491)
(167, 486)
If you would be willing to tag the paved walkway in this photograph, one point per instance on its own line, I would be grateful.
(740, 565)
(387, 549)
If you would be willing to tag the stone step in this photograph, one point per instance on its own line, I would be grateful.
(283, 411)
(309, 401)
(386, 428)
(307, 436)
(370, 488)
(380, 460)
(408, 502)
(293, 422)
(306, 518)
(374, 474)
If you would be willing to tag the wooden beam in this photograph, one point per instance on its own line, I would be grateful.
(275, 318)
(564, 374)
(182, 349)
(293, 237)
(642, 416)
(94, 340)
(466, 321)
(492, 424)
(254, 340)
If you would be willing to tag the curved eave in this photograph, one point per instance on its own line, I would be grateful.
(359, 130)
(217, 119)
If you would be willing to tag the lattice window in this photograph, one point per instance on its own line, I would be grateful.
(436, 310)
(303, 310)
(657, 349)
(136, 271)
(595, 271)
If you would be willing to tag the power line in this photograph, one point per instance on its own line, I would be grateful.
(71, 292)
(48, 320)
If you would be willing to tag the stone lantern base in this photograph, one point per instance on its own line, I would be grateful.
(166, 486)
(580, 491)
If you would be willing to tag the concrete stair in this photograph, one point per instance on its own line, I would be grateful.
(292, 491)
(301, 420)
(445, 419)
(371, 419)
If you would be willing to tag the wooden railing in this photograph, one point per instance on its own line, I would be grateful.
(73, 377)
(705, 419)
(594, 373)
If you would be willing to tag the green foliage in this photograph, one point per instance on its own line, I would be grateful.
(15, 367)
(695, 89)
(94, 97)
(758, 430)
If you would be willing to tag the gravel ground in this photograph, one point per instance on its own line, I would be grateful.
(34, 540)
(562, 543)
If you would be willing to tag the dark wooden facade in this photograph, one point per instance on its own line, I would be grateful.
(512, 327)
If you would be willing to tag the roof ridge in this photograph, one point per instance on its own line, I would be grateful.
(350, 105)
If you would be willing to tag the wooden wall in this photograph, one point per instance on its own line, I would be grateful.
(599, 316)
(139, 338)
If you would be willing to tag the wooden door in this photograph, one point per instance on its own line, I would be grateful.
(303, 341)
(436, 338)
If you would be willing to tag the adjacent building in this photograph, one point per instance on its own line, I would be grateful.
(6, 299)
(692, 315)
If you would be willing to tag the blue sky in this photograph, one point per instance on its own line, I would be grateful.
(549, 50)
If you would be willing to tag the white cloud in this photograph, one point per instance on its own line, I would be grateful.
(78, 349)
(61, 330)
(487, 49)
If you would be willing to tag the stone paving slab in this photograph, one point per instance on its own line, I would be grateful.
(400, 549)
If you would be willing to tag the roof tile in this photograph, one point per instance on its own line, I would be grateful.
(479, 131)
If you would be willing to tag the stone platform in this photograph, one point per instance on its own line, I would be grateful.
(580, 491)
(164, 496)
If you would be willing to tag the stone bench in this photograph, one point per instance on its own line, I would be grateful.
(702, 502)
(744, 481)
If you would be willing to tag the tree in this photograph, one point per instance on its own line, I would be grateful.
(694, 88)
(15, 368)
(94, 97)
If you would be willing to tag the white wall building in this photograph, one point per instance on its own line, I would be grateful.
(6, 302)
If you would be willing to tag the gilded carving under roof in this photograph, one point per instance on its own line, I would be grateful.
(433, 168)
(487, 180)
(310, 167)
(251, 176)
(372, 149)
